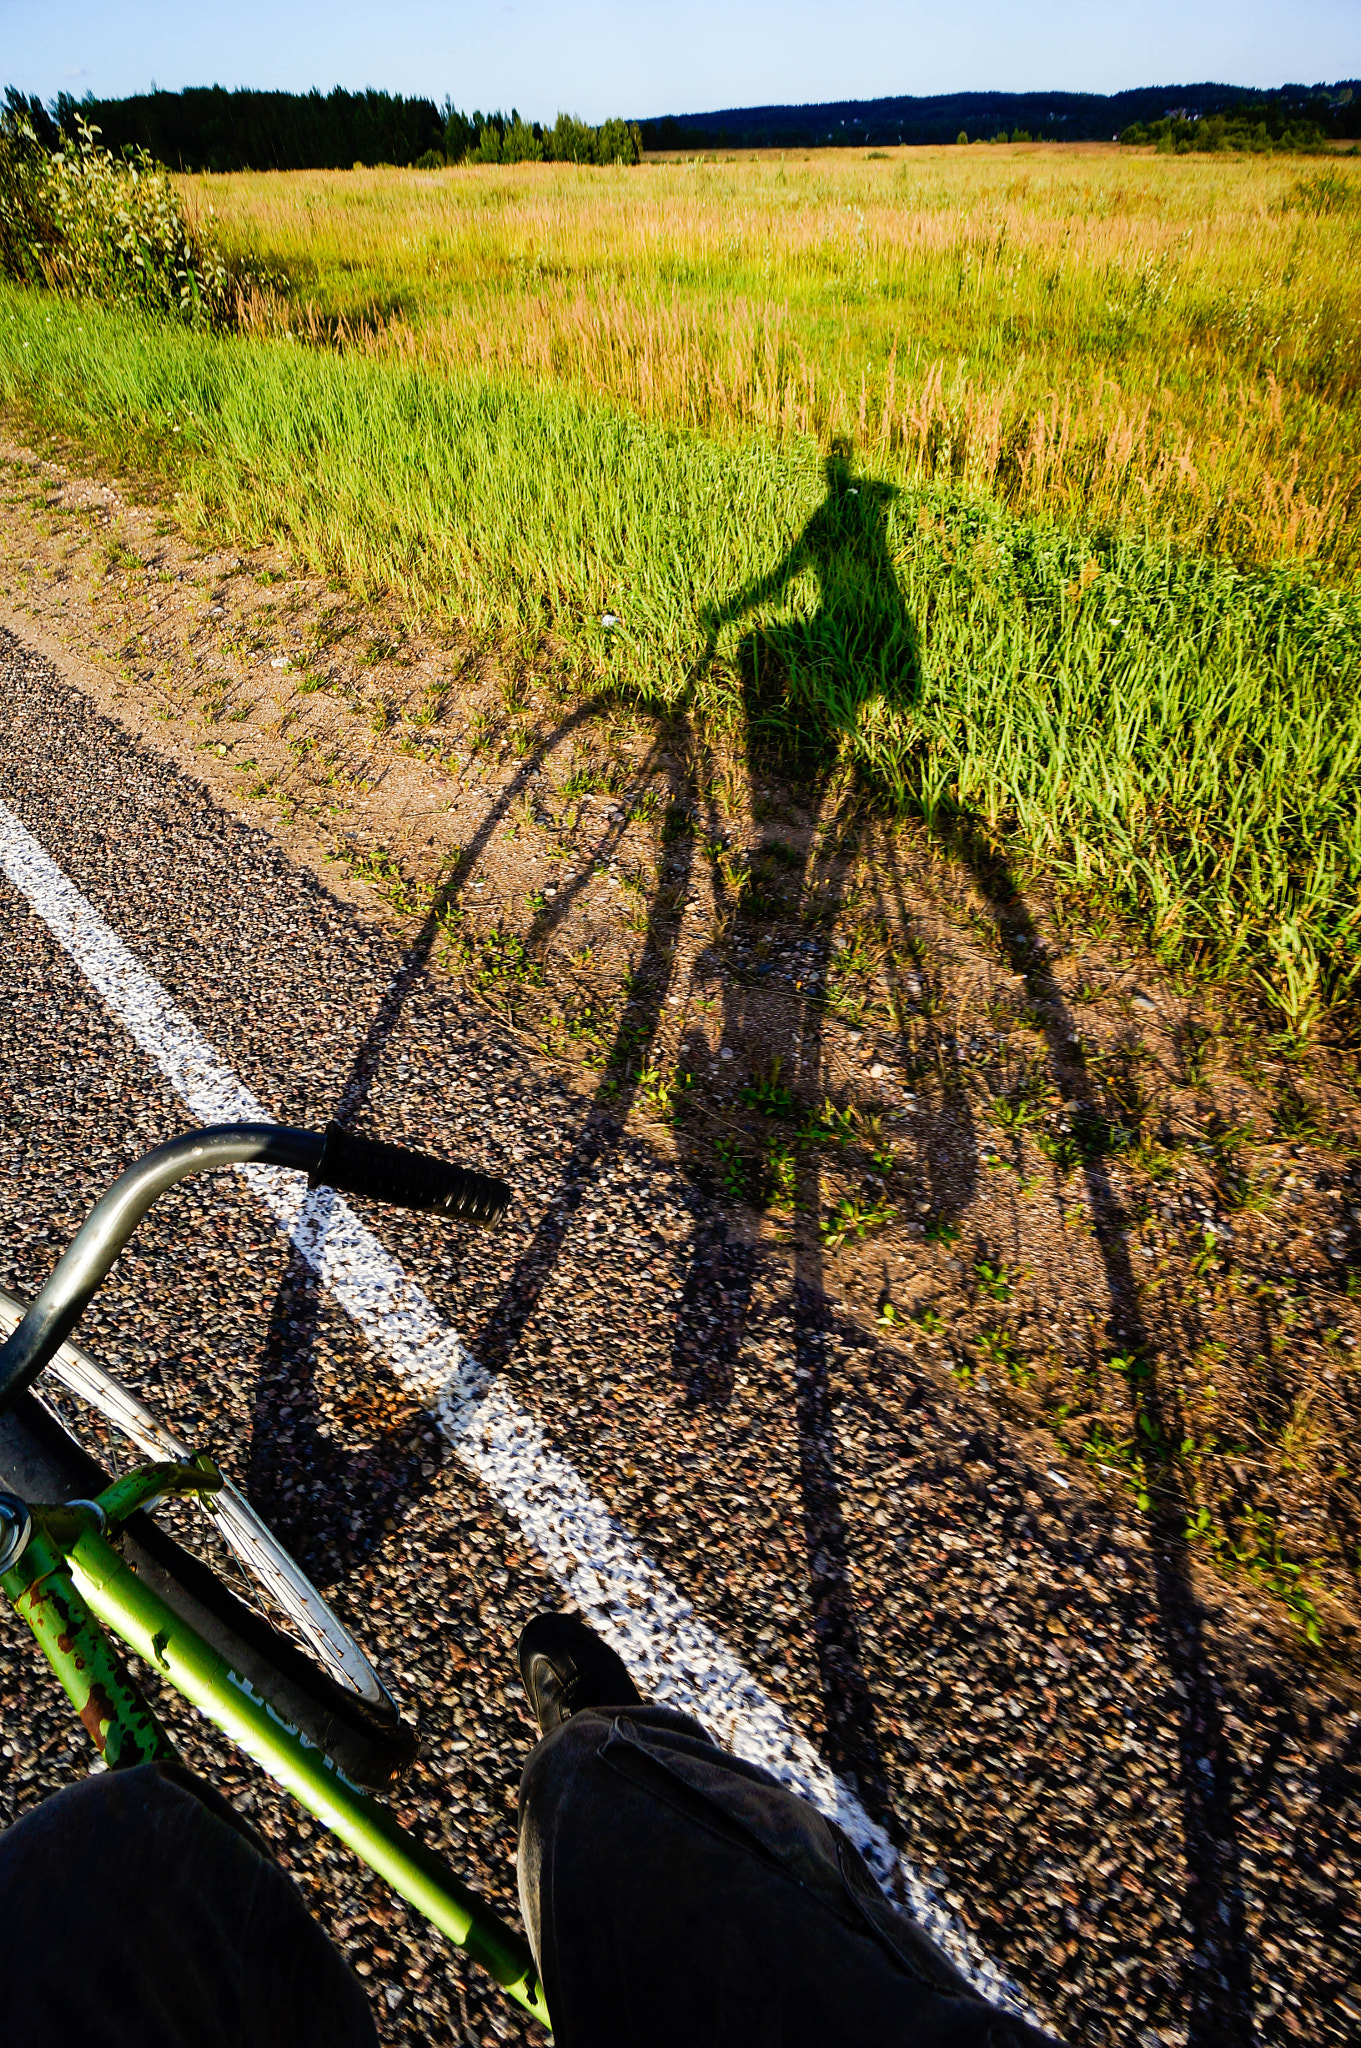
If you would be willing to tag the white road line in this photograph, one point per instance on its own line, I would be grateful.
(675, 1656)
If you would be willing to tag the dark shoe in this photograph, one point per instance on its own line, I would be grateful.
(566, 1667)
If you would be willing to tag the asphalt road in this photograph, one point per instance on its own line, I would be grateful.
(1147, 1827)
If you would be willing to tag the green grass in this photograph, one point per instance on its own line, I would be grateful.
(1170, 733)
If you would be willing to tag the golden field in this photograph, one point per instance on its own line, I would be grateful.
(1168, 343)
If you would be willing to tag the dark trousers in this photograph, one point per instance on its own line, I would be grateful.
(673, 1895)
(676, 1895)
(137, 1910)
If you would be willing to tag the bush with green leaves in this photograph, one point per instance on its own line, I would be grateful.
(1178, 134)
(83, 221)
(511, 140)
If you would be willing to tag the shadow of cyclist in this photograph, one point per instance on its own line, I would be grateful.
(816, 688)
(807, 680)
(811, 683)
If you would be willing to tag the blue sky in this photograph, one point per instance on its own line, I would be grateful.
(599, 57)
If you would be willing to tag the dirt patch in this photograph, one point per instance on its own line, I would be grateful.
(973, 1114)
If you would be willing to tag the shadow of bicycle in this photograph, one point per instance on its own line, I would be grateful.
(820, 643)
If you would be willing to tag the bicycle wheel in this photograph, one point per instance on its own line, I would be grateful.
(273, 1625)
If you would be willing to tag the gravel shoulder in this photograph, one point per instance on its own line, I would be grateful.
(1123, 1768)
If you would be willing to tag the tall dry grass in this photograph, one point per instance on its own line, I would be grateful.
(1171, 344)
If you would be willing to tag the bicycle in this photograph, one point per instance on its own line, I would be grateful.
(269, 1663)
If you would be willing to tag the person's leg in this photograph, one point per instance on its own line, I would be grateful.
(138, 1908)
(674, 1893)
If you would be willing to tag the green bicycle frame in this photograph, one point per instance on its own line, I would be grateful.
(64, 1578)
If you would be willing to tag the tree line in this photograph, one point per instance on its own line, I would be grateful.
(207, 128)
(1335, 111)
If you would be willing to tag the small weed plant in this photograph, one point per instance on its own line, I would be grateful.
(854, 1217)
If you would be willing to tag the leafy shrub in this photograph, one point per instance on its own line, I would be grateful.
(613, 142)
(510, 140)
(80, 220)
(1177, 135)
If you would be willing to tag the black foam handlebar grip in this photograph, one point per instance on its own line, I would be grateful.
(409, 1180)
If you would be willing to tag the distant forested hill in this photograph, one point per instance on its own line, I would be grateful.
(1040, 116)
